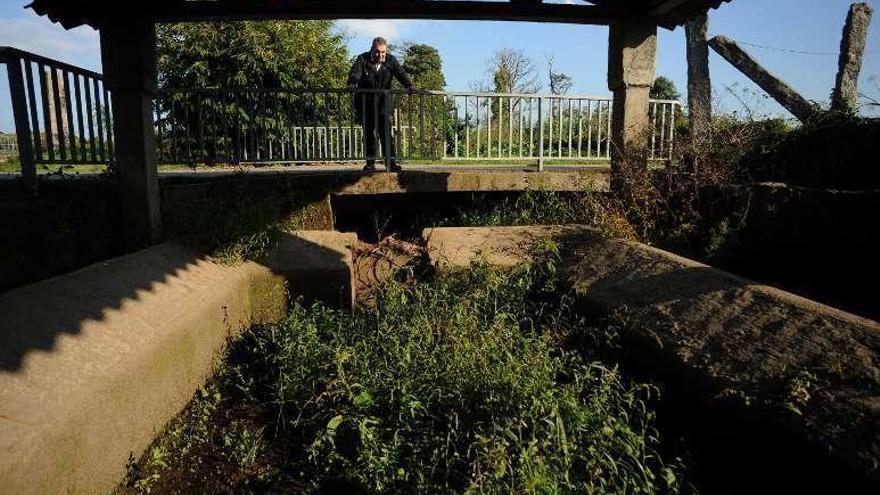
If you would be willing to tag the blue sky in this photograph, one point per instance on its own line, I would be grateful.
(580, 51)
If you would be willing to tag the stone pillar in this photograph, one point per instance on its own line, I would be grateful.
(845, 97)
(58, 114)
(632, 53)
(128, 51)
(699, 83)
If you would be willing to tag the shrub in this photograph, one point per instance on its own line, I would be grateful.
(455, 385)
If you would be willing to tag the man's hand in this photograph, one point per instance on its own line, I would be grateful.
(352, 86)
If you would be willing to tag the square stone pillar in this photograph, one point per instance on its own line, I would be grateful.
(699, 82)
(632, 54)
(128, 52)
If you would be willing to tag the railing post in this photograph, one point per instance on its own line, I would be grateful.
(22, 125)
(675, 109)
(540, 134)
(386, 151)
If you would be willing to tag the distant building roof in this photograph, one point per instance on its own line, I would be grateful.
(666, 13)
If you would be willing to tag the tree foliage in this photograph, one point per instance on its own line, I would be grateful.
(560, 83)
(424, 65)
(238, 56)
(511, 71)
(287, 54)
(664, 89)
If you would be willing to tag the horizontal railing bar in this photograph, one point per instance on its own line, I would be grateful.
(299, 91)
(9, 53)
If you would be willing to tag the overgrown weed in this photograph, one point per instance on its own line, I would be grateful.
(459, 384)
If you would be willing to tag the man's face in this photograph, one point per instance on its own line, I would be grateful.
(379, 52)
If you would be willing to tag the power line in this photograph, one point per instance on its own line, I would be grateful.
(792, 50)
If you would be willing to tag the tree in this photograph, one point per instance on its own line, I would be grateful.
(560, 83)
(238, 56)
(431, 113)
(286, 54)
(424, 65)
(664, 89)
(511, 71)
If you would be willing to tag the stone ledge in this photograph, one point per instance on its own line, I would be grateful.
(95, 362)
(729, 333)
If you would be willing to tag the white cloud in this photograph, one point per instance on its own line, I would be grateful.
(387, 28)
(32, 33)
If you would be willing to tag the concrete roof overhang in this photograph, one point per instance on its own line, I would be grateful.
(96, 13)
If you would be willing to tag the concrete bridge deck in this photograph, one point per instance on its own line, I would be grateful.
(350, 179)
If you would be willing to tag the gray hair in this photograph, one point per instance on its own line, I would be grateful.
(378, 41)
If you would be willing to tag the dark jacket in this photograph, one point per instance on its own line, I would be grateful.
(364, 75)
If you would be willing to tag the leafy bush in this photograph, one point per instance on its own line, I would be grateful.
(833, 151)
(455, 385)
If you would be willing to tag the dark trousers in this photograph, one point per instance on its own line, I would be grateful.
(377, 123)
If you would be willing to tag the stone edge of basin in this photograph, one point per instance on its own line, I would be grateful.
(94, 363)
(737, 335)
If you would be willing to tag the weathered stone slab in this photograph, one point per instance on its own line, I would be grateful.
(317, 265)
(415, 181)
(813, 369)
(499, 246)
(95, 362)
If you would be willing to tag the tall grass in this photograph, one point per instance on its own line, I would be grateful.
(456, 385)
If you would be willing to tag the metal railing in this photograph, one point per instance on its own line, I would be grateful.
(545, 127)
(8, 144)
(321, 125)
(62, 112)
(63, 116)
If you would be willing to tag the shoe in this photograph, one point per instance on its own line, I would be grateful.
(394, 167)
(370, 167)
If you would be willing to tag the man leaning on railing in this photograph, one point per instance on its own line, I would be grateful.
(373, 70)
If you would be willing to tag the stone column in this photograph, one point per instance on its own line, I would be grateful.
(128, 51)
(58, 114)
(699, 83)
(632, 53)
(845, 97)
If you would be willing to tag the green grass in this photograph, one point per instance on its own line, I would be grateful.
(537, 207)
(10, 165)
(459, 384)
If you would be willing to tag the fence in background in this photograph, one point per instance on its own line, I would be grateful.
(320, 125)
(62, 112)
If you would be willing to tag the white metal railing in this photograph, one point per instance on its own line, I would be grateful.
(542, 127)
(275, 125)
(8, 143)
